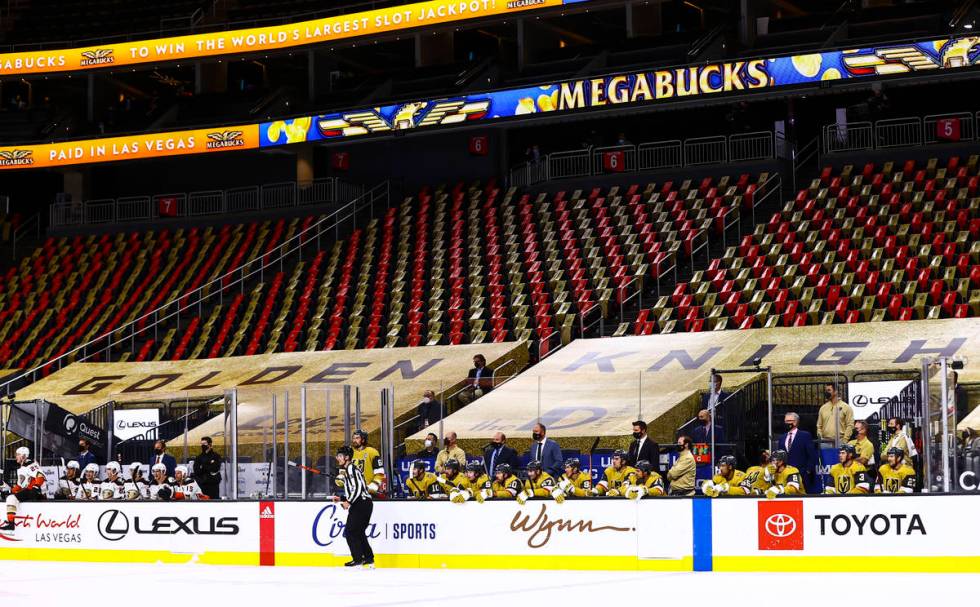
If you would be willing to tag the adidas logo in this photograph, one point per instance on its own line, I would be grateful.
(267, 513)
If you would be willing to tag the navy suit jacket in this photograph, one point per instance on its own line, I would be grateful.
(802, 455)
(700, 435)
(721, 399)
(84, 460)
(551, 460)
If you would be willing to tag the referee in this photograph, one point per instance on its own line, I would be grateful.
(357, 502)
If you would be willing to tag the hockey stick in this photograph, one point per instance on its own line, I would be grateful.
(310, 469)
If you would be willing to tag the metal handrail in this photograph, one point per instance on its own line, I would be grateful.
(638, 293)
(895, 132)
(32, 221)
(204, 292)
(108, 209)
(582, 317)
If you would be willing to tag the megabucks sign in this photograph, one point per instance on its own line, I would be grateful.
(628, 89)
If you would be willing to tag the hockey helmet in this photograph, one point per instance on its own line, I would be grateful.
(534, 465)
(644, 466)
(896, 451)
(505, 468)
(419, 465)
(182, 470)
(728, 460)
(93, 467)
(573, 462)
(470, 467)
(73, 464)
(779, 456)
(451, 464)
(155, 468)
(345, 450)
(849, 449)
(113, 467)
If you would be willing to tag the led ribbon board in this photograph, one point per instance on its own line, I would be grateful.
(631, 89)
(258, 39)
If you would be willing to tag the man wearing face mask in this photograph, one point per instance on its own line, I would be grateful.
(430, 409)
(643, 448)
(546, 451)
(498, 452)
(801, 452)
(160, 456)
(835, 421)
(898, 439)
(450, 451)
(430, 448)
(85, 455)
(207, 469)
(479, 381)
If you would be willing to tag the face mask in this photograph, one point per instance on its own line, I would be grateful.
(705, 422)
(892, 430)
(536, 436)
(446, 442)
(789, 427)
(426, 400)
(497, 445)
(204, 448)
(637, 435)
(158, 451)
(428, 443)
(828, 393)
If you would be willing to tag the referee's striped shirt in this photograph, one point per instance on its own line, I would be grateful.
(354, 486)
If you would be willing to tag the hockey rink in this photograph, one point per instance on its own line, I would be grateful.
(45, 583)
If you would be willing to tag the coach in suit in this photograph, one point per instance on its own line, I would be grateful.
(802, 453)
(717, 396)
(546, 451)
(160, 456)
(643, 447)
(497, 452)
(479, 381)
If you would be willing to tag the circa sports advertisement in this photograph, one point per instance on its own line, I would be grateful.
(626, 89)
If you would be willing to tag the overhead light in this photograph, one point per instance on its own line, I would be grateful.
(968, 26)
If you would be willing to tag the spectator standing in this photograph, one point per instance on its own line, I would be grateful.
(715, 397)
(546, 451)
(430, 409)
(498, 452)
(898, 439)
(479, 381)
(682, 473)
(207, 469)
(450, 451)
(835, 421)
(962, 399)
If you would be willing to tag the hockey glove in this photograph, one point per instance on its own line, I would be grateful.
(558, 495)
(522, 497)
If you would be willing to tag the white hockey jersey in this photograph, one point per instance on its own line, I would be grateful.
(67, 488)
(154, 490)
(111, 490)
(188, 490)
(88, 490)
(137, 490)
(29, 475)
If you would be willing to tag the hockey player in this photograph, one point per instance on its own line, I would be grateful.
(29, 486)
(450, 480)
(69, 483)
(161, 487)
(574, 481)
(648, 482)
(849, 475)
(728, 481)
(89, 488)
(539, 484)
(895, 476)
(185, 487)
(785, 478)
(137, 487)
(368, 460)
(616, 477)
(422, 484)
(505, 485)
(475, 485)
(757, 478)
(112, 487)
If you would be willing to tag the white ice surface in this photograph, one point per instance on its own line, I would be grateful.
(40, 583)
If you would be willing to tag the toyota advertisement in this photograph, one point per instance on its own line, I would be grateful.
(746, 532)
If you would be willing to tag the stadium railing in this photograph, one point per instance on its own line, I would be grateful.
(909, 131)
(246, 199)
(651, 156)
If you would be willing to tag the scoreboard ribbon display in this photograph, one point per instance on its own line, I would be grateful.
(630, 89)
(257, 39)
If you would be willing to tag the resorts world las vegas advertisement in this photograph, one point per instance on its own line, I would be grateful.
(635, 88)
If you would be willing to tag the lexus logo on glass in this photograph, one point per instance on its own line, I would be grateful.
(114, 525)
